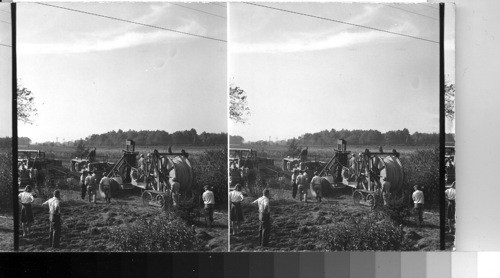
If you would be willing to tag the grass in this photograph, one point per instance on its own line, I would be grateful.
(300, 227)
(89, 227)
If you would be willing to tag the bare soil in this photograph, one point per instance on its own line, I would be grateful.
(296, 226)
(85, 224)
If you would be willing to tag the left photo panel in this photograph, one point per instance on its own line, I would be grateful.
(122, 126)
(6, 167)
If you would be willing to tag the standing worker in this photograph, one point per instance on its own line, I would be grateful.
(418, 200)
(176, 187)
(294, 182)
(450, 194)
(24, 176)
(264, 218)
(386, 194)
(105, 188)
(301, 185)
(316, 186)
(54, 218)
(83, 186)
(236, 216)
(209, 201)
(90, 181)
(26, 198)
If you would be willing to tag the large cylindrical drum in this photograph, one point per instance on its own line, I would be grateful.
(179, 167)
(393, 171)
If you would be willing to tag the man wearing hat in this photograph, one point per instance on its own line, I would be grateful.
(90, 181)
(294, 182)
(418, 201)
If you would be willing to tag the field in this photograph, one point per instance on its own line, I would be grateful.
(299, 226)
(107, 227)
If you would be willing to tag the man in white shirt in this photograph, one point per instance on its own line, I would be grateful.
(264, 218)
(450, 194)
(236, 214)
(316, 186)
(209, 201)
(54, 218)
(301, 185)
(105, 187)
(418, 200)
(25, 199)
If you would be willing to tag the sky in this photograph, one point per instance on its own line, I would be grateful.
(304, 74)
(5, 71)
(93, 75)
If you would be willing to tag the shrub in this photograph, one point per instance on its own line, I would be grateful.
(397, 213)
(210, 167)
(165, 232)
(6, 185)
(422, 168)
(367, 234)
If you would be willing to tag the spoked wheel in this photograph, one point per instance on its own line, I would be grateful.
(357, 197)
(147, 198)
(160, 200)
(370, 201)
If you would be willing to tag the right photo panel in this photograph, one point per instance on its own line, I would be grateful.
(335, 127)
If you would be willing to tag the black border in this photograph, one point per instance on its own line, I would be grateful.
(442, 131)
(15, 189)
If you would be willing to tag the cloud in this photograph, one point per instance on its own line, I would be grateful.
(121, 35)
(305, 43)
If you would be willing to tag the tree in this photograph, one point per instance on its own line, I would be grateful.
(238, 105)
(293, 148)
(26, 109)
(449, 100)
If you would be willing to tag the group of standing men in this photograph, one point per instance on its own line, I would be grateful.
(300, 181)
(89, 186)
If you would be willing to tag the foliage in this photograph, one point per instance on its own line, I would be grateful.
(26, 109)
(6, 185)
(81, 150)
(362, 235)
(449, 100)
(210, 168)
(361, 137)
(238, 105)
(422, 168)
(236, 139)
(293, 148)
(165, 232)
(156, 138)
(397, 213)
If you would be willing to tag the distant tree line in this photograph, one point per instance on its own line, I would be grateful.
(356, 137)
(156, 138)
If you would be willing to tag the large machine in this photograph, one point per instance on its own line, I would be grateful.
(364, 172)
(50, 169)
(154, 174)
(245, 165)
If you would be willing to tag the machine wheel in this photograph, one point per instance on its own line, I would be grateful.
(160, 200)
(357, 197)
(371, 200)
(147, 197)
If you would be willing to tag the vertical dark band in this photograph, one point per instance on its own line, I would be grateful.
(15, 189)
(442, 130)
